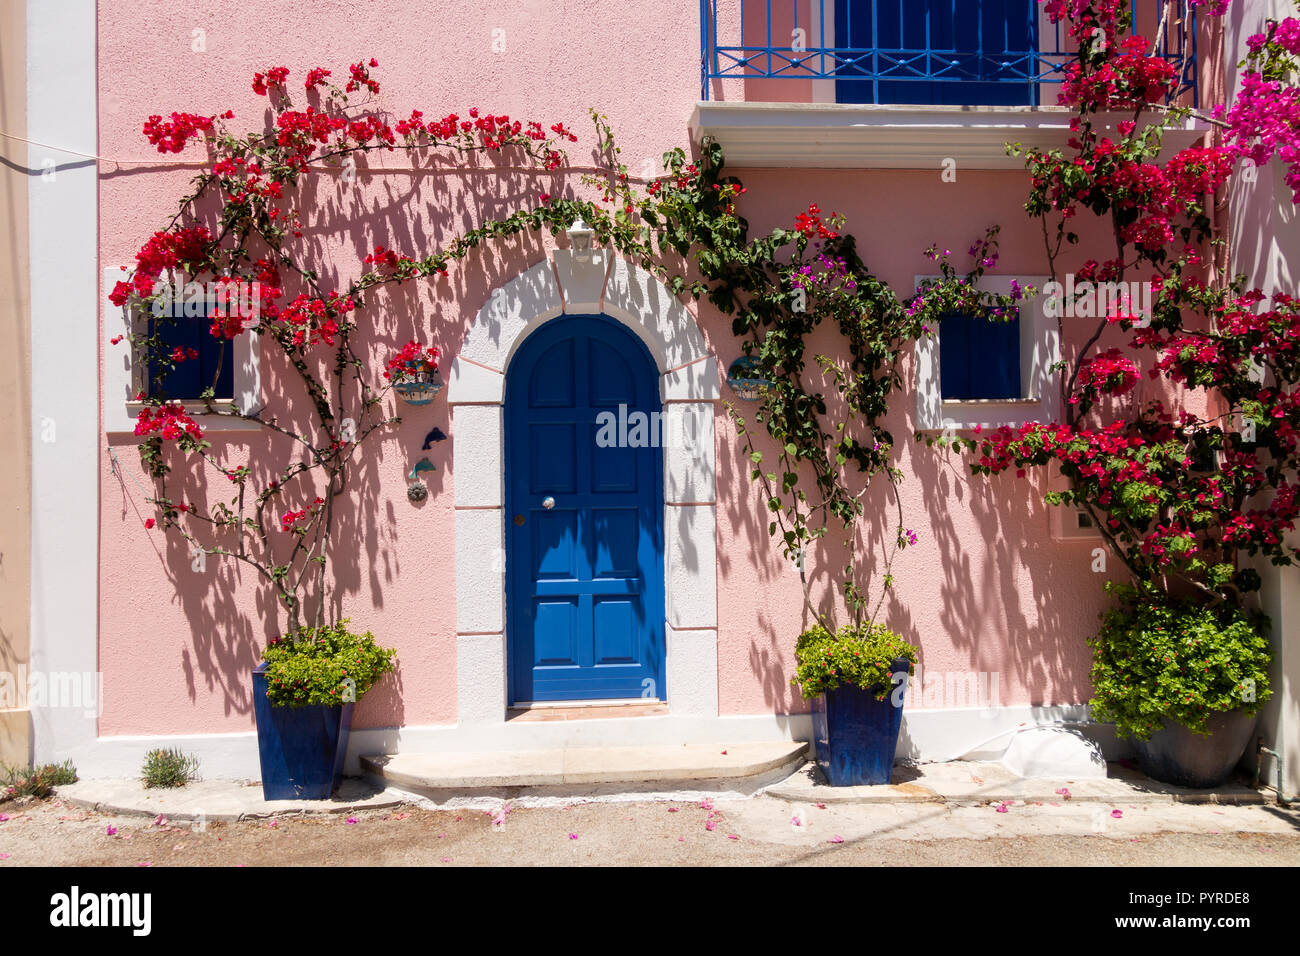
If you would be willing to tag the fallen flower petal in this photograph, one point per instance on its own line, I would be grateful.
(672, 809)
(353, 820)
(1064, 792)
(1117, 813)
(111, 830)
(836, 839)
(1001, 808)
(573, 836)
(710, 825)
(821, 806)
(732, 836)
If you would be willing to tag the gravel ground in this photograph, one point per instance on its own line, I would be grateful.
(757, 831)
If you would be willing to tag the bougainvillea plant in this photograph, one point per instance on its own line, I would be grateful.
(414, 363)
(239, 234)
(1186, 482)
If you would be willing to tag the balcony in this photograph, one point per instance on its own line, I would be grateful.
(845, 83)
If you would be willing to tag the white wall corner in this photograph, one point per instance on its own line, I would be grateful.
(524, 302)
(689, 453)
(697, 382)
(644, 304)
(692, 560)
(476, 456)
(480, 679)
(480, 571)
(692, 673)
(468, 382)
(582, 283)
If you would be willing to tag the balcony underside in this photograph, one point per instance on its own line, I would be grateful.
(853, 136)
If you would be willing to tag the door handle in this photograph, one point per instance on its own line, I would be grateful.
(548, 502)
(519, 519)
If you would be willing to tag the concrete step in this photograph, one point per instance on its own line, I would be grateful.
(741, 767)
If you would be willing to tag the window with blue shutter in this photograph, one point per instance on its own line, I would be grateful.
(949, 52)
(979, 358)
(189, 379)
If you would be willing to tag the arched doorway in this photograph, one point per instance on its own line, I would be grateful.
(585, 515)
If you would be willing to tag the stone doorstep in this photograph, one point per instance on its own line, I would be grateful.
(970, 783)
(585, 766)
(226, 801)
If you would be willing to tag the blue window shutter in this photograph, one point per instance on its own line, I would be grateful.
(982, 35)
(190, 378)
(954, 356)
(979, 358)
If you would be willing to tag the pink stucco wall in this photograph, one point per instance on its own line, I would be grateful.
(986, 589)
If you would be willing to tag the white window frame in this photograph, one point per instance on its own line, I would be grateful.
(121, 384)
(1039, 349)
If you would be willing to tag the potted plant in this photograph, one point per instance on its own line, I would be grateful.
(1184, 679)
(304, 692)
(414, 373)
(856, 679)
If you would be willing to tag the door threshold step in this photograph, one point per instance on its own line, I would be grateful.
(601, 711)
(703, 766)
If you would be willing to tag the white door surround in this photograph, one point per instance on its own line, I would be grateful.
(609, 285)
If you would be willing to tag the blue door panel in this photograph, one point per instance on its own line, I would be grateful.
(584, 578)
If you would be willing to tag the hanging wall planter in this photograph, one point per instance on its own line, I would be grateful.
(419, 391)
(746, 380)
(414, 373)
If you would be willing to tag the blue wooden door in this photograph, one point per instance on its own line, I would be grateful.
(584, 513)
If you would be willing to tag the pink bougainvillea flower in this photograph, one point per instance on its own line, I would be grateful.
(4, 856)
(836, 839)
(796, 821)
(446, 859)
(353, 820)
(1001, 808)
(573, 836)
(1117, 813)
(732, 836)
(710, 825)
(1064, 792)
(672, 809)
(111, 830)
(821, 806)
(706, 804)
(160, 820)
(3, 817)
(145, 863)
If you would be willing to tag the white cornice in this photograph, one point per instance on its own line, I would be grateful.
(855, 136)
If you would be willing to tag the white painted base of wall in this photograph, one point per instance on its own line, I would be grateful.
(927, 735)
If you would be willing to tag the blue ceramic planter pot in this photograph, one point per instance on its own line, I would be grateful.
(855, 735)
(301, 748)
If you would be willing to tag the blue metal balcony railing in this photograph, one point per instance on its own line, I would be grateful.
(977, 52)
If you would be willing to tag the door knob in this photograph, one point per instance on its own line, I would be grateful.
(548, 502)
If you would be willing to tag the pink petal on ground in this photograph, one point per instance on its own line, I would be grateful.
(400, 816)
(821, 806)
(1055, 804)
(145, 863)
(710, 825)
(4, 856)
(125, 836)
(1001, 808)
(672, 809)
(836, 839)
(795, 821)
(3, 817)
(352, 820)
(706, 804)
(110, 830)
(573, 836)
(1064, 792)
(160, 821)
(681, 839)
(724, 753)
(273, 824)
(446, 859)
(732, 836)
(1117, 813)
